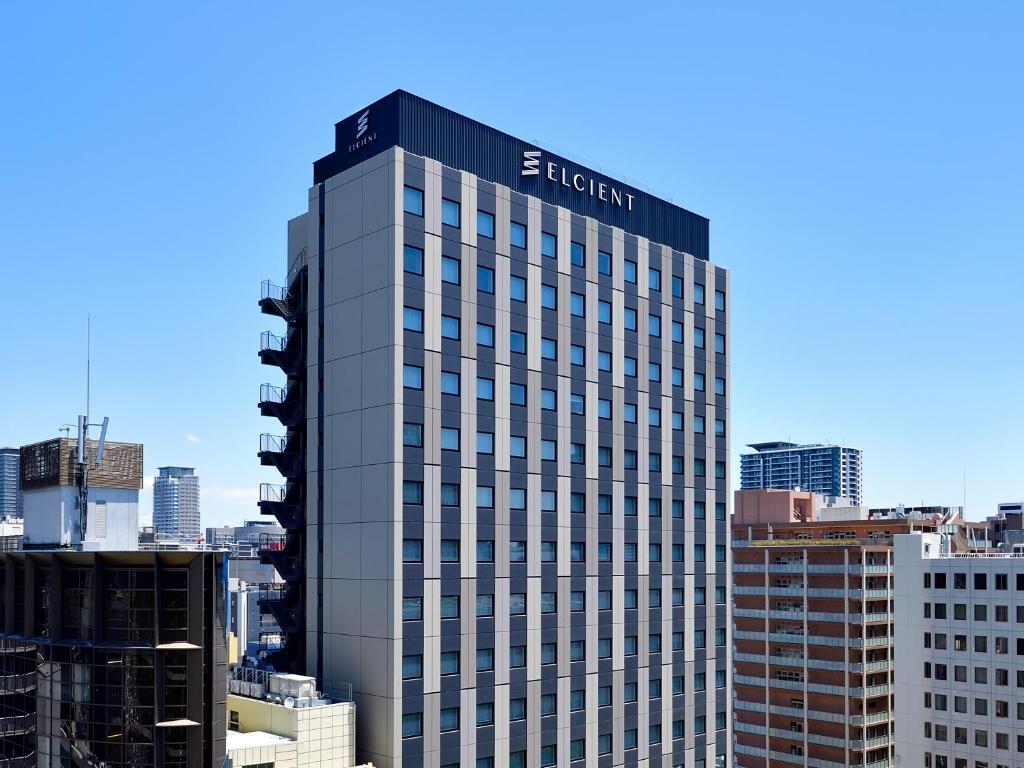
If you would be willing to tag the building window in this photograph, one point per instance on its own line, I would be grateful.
(412, 667)
(449, 550)
(577, 304)
(548, 349)
(485, 279)
(548, 296)
(450, 494)
(517, 288)
(720, 343)
(720, 301)
(412, 609)
(450, 327)
(485, 713)
(484, 606)
(450, 270)
(412, 492)
(654, 278)
(485, 335)
(698, 338)
(412, 259)
(449, 383)
(698, 293)
(449, 606)
(577, 650)
(517, 656)
(629, 319)
(412, 200)
(604, 263)
(485, 389)
(412, 724)
(412, 550)
(548, 704)
(412, 435)
(412, 319)
(449, 439)
(604, 313)
(449, 719)
(629, 271)
(548, 245)
(450, 212)
(485, 224)
(517, 342)
(578, 254)
(517, 234)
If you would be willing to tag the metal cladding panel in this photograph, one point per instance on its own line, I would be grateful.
(54, 462)
(424, 128)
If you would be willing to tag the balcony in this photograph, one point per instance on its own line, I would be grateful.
(284, 502)
(285, 605)
(283, 454)
(27, 760)
(282, 403)
(286, 353)
(276, 301)
(284, 553)
(17, 725)
(22, 683)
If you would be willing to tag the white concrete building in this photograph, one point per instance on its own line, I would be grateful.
(280, 721)
(959, 656)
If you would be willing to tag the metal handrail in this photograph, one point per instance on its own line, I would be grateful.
(273, 443)
(271, 394)
(271, 492)
(270, 341)
(272, 542)
(270, 290)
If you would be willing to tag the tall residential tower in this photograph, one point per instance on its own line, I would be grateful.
(506, 452)
(176, 502)
(10, 487)
(827, 470)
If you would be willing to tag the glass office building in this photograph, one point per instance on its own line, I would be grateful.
(504, 407)
(113, 659)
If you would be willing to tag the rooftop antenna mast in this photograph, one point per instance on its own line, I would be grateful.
(83, 439)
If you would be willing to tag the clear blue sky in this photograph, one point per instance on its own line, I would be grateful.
(861, 165)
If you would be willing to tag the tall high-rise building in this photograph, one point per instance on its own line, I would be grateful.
(176, 502)
(506, 452)
(826, 470)
(10, 487)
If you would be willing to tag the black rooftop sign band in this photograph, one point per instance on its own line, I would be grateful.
(424, 128)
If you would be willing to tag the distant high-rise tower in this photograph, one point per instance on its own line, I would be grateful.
(10, 488)
(827, 470)
(176, 502)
